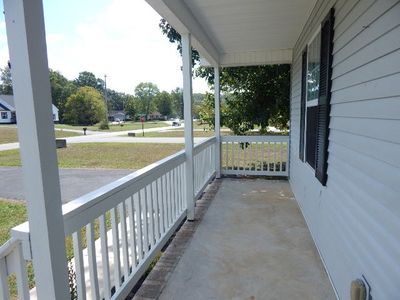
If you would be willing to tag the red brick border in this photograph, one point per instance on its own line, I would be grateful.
(155, 282)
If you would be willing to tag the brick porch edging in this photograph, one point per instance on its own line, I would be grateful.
(155, 282)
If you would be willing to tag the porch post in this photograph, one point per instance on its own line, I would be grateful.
(187, 110)
(30, 74)
(217, 126)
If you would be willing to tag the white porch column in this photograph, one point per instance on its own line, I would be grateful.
(187, 111)
(217, 127)
(30, 74)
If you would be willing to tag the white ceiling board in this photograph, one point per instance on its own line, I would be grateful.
(241, 29)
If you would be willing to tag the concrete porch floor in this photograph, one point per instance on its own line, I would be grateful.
(252, 243)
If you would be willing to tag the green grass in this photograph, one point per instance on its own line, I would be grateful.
(10, 135)
(12, 213)
(126, 126)
(103, 155)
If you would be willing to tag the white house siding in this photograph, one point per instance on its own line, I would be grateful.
(355, 219)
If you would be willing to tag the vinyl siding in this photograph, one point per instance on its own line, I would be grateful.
(355, 219)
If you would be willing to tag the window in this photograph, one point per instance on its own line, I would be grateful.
(4, 115)
(315, 99)
(312, 86)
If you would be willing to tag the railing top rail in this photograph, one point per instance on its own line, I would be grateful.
(255, 138)
(8, 247)
(121, 186)
(204, 144)
(73, 209)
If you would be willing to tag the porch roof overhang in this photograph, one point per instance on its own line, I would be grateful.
(237, 32)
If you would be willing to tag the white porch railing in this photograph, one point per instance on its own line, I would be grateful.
(118, 229)
(12, 263)
(204, 165)
(255, 155)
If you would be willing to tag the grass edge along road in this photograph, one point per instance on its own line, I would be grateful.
(126, 126)
(102, 155)
(9, 134)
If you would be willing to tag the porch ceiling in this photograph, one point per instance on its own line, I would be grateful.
(237, 32)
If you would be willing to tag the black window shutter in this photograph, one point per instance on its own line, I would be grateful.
(324, 98)
(303, 102)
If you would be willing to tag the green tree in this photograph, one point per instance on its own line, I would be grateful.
(174, 36)
(256, 95)
(86, 78)
(61, 89)
(131, 106)
(163, 103)
(5, 81)
(85, 107)
(177, 102)
(146, 92)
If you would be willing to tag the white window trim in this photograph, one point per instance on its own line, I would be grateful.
(310, 103)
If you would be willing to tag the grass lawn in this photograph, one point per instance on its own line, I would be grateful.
(103, 155)
(127, 126)
(10, 135)
(12, 213)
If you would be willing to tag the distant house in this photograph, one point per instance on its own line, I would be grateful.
(156, 116)
(117, 114)
(8, 111)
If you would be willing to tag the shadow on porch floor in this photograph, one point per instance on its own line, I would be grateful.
(252, 243)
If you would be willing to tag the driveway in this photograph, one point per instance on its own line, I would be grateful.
(74, 182)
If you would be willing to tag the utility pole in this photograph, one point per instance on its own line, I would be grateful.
(105, 95)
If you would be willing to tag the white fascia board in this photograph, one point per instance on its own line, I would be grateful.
(180, 17)
(5, 104)
(252, 58)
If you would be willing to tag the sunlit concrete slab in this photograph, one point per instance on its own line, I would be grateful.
(253, 243)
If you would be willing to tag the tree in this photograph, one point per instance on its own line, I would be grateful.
(257, 95)
(146, 92)
(61, 89)
(163, 103)
(85, 107)
(131, 106)
(177, 102)
(86, 78)
(5, 81)
(174, 36)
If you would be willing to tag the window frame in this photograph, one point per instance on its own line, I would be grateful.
(313, 102)
(4, 113)
(322, 105)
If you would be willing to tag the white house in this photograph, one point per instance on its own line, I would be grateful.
(8, 111)
(344, 145)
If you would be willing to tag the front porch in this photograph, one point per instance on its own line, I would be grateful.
(252, 243)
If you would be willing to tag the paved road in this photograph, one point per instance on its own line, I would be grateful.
(80, 131)
(74, 182)
(104, 137)
(123, 139)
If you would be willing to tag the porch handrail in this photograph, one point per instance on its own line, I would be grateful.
(74, 211)
(266, 155)
(153, 202)
(12, 262)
